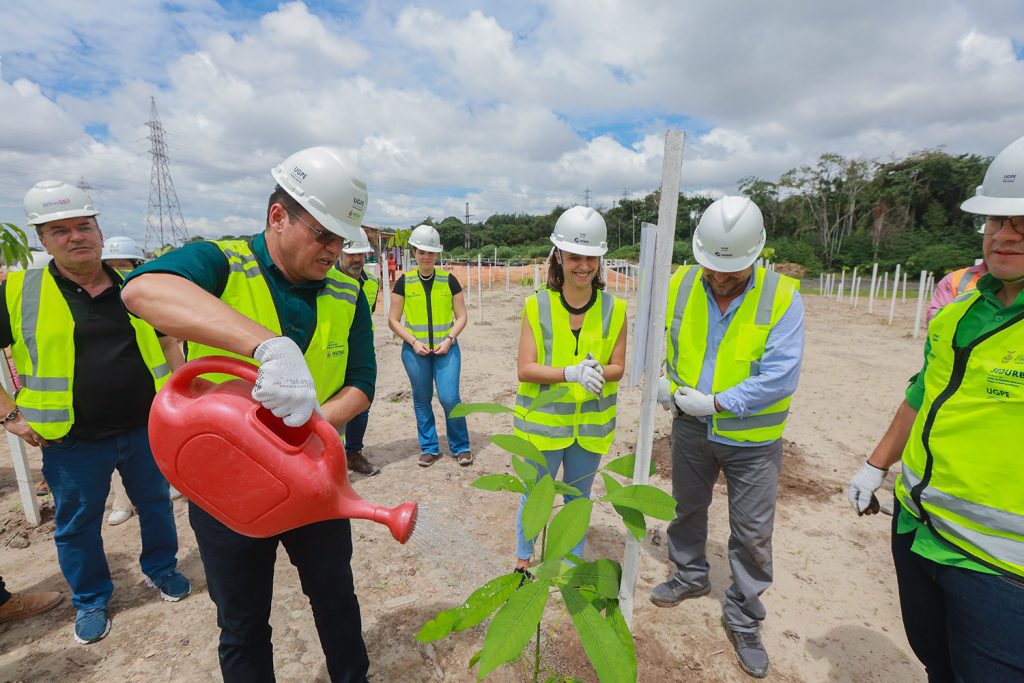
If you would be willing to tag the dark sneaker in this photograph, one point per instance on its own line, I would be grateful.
(428, 459)
(465, 458)
(357, 462)
(674, 591)
(91, 625)
(749, 651)
(172, 587)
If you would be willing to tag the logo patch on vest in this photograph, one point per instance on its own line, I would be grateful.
(334, 349)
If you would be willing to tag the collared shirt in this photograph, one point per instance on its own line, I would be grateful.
(112, 389)
(984, 316)
(779, 369)
(204, 264)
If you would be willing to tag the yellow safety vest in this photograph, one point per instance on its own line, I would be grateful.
(442, 314)
(44, 350)
(248, 293)
(370, 286)
(739, 355)
(962, 473)
(579, 415)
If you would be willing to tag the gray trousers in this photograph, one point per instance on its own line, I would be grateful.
(751, 475)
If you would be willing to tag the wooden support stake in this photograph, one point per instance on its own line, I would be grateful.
(19, 456)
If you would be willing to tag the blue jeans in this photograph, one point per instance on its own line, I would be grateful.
(78, 472)
(579, 466)
(963, 625)
(240, 580)
(354, 431)
(424, 372)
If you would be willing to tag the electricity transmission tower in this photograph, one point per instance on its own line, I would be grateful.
(466, 226)
(164, 222)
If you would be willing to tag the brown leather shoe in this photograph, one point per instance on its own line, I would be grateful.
(428, 459)
(357, 462)
(25, 605)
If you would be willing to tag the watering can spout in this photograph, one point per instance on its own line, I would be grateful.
(401, 520)
(235, 460)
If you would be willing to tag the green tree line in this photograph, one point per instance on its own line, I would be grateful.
(836, 213)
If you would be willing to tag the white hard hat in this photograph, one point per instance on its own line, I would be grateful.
(122, 247)
(359, 246)
(730, 235)
(327, 185)
(54, 200)
(581, 230)
(426, 238)
(1002, 191)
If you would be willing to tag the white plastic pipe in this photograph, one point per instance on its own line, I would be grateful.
(895, 292)
(842, 283)
(871, 292)
(921, 287)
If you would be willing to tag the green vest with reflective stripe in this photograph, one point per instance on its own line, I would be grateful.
(739, 354)
(579, 415)
(962, 473)
(44, 351)
(248, 293)
(442, 314)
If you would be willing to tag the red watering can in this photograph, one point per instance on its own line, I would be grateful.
(234, 459)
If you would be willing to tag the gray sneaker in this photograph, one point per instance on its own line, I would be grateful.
(674, 591)
(749, 651)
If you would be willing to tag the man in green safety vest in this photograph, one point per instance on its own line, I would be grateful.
(958, 522)
(277, 300)
(735, 344)
(352, 269)
(89, 373)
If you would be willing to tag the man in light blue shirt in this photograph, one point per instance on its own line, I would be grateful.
(735, 343)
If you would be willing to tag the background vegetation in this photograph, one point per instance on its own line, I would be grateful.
(838, 213)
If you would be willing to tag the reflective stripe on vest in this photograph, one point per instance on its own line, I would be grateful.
(961, 472)
(740, 351)
(248, 293)
(442, 315)
(43, 351)
(960, 284)
(579, 415)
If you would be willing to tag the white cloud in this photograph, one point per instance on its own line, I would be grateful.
(444, 103)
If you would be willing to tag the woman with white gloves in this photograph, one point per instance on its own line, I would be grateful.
(573, 333)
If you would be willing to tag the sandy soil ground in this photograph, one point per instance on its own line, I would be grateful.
(832, 612)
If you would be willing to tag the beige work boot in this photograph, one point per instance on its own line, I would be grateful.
(21, 606)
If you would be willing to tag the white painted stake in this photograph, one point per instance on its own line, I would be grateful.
(821, 284)
(385, 283)
(885, 286)
(536, 277)
(469, 283)
(871, 292)
(479, 287)
(904, 286)
(508, 266)
(490, 270)
(842, 283)
(853, 286)
(19, 456)
(920, 303)
(655, 351)
(895, 292)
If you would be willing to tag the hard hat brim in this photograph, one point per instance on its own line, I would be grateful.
(432, 250)
(358, 250)
(61, 215)
(993, 206)
(580, 249)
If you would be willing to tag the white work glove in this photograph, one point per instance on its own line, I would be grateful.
(284, 385)
(863, 486)
(694, 403)
(665, 393)
(586, 373)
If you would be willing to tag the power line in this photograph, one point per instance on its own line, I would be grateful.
(164, 222)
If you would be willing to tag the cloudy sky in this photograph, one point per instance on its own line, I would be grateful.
(512, 107)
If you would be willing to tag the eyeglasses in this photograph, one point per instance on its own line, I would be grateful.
(323, 237)
(993, 224)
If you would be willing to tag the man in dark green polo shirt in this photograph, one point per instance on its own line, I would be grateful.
(958, 523)
(271, 299)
